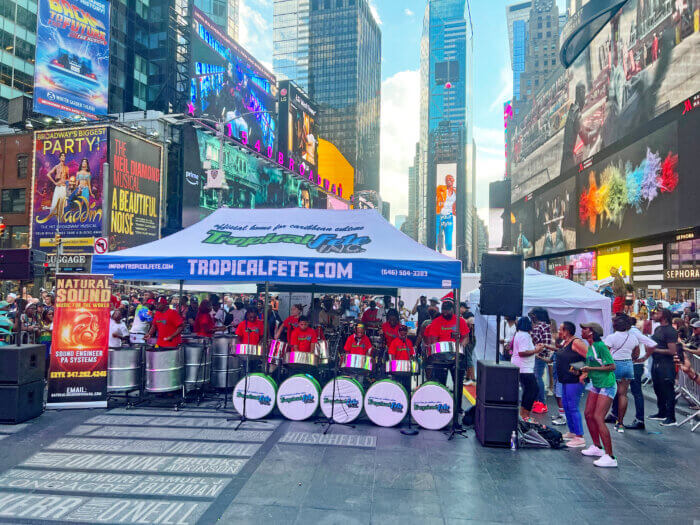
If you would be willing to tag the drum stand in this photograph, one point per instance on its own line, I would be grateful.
(409, 431)
(328, 421)
(457, 429)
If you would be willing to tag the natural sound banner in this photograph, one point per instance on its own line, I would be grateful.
(78, 369)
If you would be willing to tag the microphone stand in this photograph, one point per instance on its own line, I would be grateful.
(328, 421)
(457, 429)
(409, 431)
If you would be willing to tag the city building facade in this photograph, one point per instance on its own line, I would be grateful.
(224, 13)
(16, 165)
(411, 225)
(517, 17)
(17, 48)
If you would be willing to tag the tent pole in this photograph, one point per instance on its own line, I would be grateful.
(498, 338)
(265, 322)
(180, 298)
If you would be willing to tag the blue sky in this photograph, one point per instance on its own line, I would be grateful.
(401, 24)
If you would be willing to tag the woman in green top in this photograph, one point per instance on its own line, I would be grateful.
(599, 368)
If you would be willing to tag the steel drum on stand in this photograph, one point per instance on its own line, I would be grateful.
(197, 363)
(260, 394)
(323, 351)
(252, 352)
(386, 403)
(432, 406)
(301, 361)
(164, 370)
(124, 369)
(348, 402)
(443, 352)
(278, 349)
(224, 364)
(356, 364)
(403, 367)
(298, 397)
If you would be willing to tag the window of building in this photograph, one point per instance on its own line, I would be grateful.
(684, 255)
(18, 236)
(549, 34)
(539, 34)
(13, 200)
(22, 165)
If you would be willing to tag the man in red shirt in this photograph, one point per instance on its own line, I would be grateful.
(251, 330)
(358, 343)
(401, 349)
(303, 338)
(447, 327)
(290, 323)
(390, 329)
(168, 324)
(370, 317)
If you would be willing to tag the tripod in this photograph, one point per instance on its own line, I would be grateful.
(457, 429)
(328, 421)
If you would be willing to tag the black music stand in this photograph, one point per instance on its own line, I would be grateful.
(328, 421)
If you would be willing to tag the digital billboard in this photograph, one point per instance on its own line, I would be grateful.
(134, 191)
(228, 84)
(67, 188)
(446, 208)
(71, 68)
(522, 217)
(555, 219)
(643, 62)
(298, 125)
(251, 182)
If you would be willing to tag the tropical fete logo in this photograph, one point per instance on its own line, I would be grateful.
(442, 408)
(395, 406)
(304, 398)
(260, 398)
(350, 402)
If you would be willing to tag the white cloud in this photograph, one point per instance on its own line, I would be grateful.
(400, 130)
(408, 12)
(506, 92)
(375, 12)
(254, 31)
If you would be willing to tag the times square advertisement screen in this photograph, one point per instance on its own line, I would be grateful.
(229, 85)
(71, 72)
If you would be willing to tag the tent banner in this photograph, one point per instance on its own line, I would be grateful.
(78, 369)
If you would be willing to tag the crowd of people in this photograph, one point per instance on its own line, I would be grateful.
(607, 367)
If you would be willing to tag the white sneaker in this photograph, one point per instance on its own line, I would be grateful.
(593, 451)
(576, 442)
(606, 462)
(559, 420)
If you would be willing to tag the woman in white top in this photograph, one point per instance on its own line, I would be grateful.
(524, 358)
(508, 330)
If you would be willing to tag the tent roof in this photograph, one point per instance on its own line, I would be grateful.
(291, 245)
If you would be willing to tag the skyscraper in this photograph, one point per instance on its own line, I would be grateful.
(542, 55)
(224, 13)
(446, 115)
(413, 197)
(333, 50)
(17, 45)
(517, 16)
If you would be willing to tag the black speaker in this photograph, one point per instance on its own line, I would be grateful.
(19, 403)
(495, 424)
(501, 284)
(498, 384)
(22, 364)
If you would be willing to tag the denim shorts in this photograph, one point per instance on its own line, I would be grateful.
(608, 392)
(624, 369)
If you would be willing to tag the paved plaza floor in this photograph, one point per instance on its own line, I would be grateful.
(190, 467)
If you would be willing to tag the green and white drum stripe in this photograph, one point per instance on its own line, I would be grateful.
(260, 397)
(386, 403)
(298, 397)
(432, 406)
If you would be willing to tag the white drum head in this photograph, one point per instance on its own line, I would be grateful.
(432, 406)
(349, 396)
(298, 397)
(386, 403)
(260, 398)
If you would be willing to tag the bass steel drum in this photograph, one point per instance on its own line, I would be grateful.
(349, 398)
(386, 403)
(298, 397)
(260, 397)
(432, 406)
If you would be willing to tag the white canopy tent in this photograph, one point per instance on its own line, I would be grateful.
(564, 300)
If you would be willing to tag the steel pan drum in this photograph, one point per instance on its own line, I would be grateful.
(323, 351)
(224, 363)
(277, 350)
(402, 367)
(356, 364)
(123, 369)
(197, 363)
(302, 361)
(254, 352)
(443, 352)
(164, 370)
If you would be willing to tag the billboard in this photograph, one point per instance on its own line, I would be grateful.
(643, 62)
(333, 203)
(555, 219)
(67, 188)
(251, 182)
(446, 208)
(134, 191)
(298, 125)
(78, 369)
(227, 83)
(522, 218)
(71, 68)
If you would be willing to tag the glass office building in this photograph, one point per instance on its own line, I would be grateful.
(290, 38)
(517, 16)
(17, 46)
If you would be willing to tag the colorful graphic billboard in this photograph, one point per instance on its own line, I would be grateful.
(446, 209)
(71, 69)
(645, 61)
(134, 190)
(298, 125)
(555, 219)
(78, 370)
(251, 182)
(67, 188)
(227, 83)
(522, 218)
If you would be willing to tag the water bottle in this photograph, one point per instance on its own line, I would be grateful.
(513, 441)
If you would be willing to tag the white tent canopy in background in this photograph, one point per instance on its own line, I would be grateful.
(564, 300)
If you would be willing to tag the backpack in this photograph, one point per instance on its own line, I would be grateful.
(532, 435)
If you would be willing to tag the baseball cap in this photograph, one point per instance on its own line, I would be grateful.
(696, 324)
(162, 300)
(595, 327)
(434, 300)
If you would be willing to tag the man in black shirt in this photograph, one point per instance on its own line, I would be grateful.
(421, 308)
(663, 369)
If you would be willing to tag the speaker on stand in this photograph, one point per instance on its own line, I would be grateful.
(21, 382)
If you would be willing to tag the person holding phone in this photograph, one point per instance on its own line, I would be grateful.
(663, 369)
(524, 358)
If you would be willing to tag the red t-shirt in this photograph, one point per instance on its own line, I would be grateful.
(166, 323)
(390, 332)
(304, 339)
(290, 323)
(370, 316)
(352, 346)
(204, 325)
(442, 328)
(401, 350)
(250, 332)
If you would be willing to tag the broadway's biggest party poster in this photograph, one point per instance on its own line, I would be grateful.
(78, 370)
(68, 189)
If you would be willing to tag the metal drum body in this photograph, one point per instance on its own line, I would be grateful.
(349, 399)
(298, 397)
(403, 367)
(223, 362)
(386, 403)
(260, 394)
(443, 352)
(323, 351)
(432, 406)
(356, 364)
(164, 370)
(252, 352)
(301, 361)
(124, 369)
(197, 364)
(277, 351)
